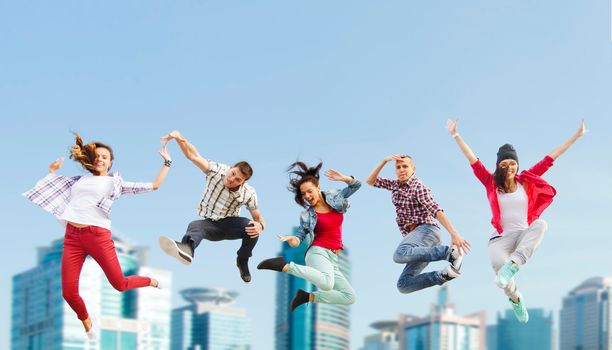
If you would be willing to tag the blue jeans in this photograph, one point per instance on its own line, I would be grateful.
(417, 250)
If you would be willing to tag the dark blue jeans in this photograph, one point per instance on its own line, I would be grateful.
(220, 230)
(417, 250)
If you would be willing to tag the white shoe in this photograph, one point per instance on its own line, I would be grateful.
(450, 273)
(91, 333)
(455, 258)
(180, 251)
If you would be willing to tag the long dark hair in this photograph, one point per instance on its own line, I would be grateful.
(303, 173)
(85, 154)
(500, 176)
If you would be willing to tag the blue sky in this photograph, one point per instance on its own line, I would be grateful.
(344, 82)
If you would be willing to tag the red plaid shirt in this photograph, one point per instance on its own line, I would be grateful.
(413, 202)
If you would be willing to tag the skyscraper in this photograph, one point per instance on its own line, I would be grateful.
(209, 322)
(537, 334)
(385, 339)
(312, 326)
(442, 329)
(138, 319)
(585, 316)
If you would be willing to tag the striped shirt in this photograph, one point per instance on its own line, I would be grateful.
(413, 202)
(218, 201)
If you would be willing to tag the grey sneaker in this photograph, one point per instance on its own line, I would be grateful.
(181, 251)
(455, 258)
(449, 273)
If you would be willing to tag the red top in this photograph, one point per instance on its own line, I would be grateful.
(328, 230)
(539, 193)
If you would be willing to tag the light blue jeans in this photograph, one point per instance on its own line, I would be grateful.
(417, 250)
(323, 271)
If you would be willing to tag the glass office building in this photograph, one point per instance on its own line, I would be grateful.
(138, 319)
(536, 334)
(210, 322)
(585, 316)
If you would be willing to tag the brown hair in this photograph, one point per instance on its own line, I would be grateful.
(304, 174)
(245, 169)
(500, 176)
(86, 153)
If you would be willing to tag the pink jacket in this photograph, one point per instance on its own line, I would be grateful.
(539, 193)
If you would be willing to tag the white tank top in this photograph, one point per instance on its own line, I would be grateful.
(84, 197)
(513, 210)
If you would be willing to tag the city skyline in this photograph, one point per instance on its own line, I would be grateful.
(346, 83)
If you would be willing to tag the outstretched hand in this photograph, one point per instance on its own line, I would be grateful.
(163, 152)
(582, 129)
(451, 126)
(335, 175)
(463, 245)
(175, 134)
(291, 240)
(55, 165)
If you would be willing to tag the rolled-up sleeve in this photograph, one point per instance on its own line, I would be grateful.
(387, 184)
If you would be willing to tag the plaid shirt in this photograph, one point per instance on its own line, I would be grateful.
(413, 202)
(218, 202)
(52, 193)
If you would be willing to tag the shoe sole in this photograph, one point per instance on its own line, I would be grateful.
(170, 247)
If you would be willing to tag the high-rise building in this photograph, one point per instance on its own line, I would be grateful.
(138, 319)
(384, 339)
(585, 316)
(443, 329)
(537, 334)
(312, 326)
(210, 322)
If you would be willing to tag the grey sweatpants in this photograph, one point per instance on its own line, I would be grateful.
(517, 246)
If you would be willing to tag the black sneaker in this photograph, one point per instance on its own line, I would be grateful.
(301, 297)
(276, 264)
(243, 267)
(181, 251)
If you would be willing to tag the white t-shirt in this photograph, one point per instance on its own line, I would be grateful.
(513, 210)
(84, 197)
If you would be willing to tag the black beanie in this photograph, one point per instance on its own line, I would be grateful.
(506, 151)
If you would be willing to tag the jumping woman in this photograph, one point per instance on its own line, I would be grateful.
(517, 200)
(321, 229)
(83, 205)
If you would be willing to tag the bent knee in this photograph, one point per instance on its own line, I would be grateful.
(326, 286)
(350, 298)
(540, 225)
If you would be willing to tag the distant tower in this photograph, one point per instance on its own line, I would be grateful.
(209, 322)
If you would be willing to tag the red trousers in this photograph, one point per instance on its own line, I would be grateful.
(97, 242)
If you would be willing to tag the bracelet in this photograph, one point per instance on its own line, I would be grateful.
(167, 163)
(455, 135)
(262, 225)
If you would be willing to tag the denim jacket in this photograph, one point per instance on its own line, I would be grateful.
(337, 199)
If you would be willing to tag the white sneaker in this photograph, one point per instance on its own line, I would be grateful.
(180, 251)
(450, 273)
(91, 333)
(455, 258)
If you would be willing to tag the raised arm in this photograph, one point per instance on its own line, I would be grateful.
(467, 151)
(164, 170)
(353, 184)
(189, 150)
(554, 154)
(374, 175)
